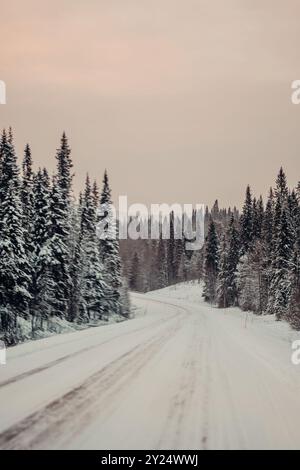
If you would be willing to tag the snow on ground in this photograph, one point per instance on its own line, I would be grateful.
(264, 324)
(60, 325)
(181, 375)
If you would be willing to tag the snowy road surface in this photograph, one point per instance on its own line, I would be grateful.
(182, 375)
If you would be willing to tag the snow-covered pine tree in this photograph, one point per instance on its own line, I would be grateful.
(64, 170)
(57, 253)
(211, 261)
(171, 252)
(258, 215)
(135, 274)
(96, 194)
(267, 249)
(180, 253)
(96, 296)
(247, 283)
(109, 246)
(281, 189)
(76, 261)
(63, 182)
(9, 169)
(42, 286)
(161, 260)
(293, 314)
(27, 204)
(14, 266)
(282, 261)
(281, 217)
(294, 304)
(27, 193)
(246, 223)
(233, 259)
(215, 212)
(222, 283)
(229, 258)
(124, 298)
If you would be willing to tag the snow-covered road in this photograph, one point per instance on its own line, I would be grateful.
(182, 375)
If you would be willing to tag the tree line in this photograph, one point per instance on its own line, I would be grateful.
(249, 259)
(154, 264)
(52, 265)
(255, 263)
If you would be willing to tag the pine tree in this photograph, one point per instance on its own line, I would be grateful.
(63, 182)
(293, 314)
(294, 304)
(246, 223)
(27, 199)
(278, 272)
(42, 287)
(267, 249)
(125, 299)
(96, 195)
(171, 252)
(247, 283)
(76, 261)
(109, 245)
(96, 297)
(223, 284)
(283, 250)
(135, 274)
(211, 262)
(9, 169)
(57, 253)
(229, 257)
(14, 267)
(161, 260)
(64, 170)
(258, 214)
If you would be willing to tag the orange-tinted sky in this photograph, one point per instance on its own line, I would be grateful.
(182, 100)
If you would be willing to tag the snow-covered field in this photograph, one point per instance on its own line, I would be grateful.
(181, 375)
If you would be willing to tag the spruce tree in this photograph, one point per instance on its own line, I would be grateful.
(135, 274)
(57, 253)
(14, 266)
(27, 198)
(64, 170)
(161, 259)
(278, 272)
(246, 223)
(109, 245)
(9, 169)
(96, 297)
(294, 304)
(42, 286)
(211, 261)
(283, 250)
(171, 252)
(267, 249)
(229, 258)
(223, 284)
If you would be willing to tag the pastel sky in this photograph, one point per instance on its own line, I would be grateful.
(182, 100)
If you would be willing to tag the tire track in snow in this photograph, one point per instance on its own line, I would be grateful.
(183, 415)
(44, 367)
(77, 407)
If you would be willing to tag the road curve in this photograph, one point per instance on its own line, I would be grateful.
(179, 376)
